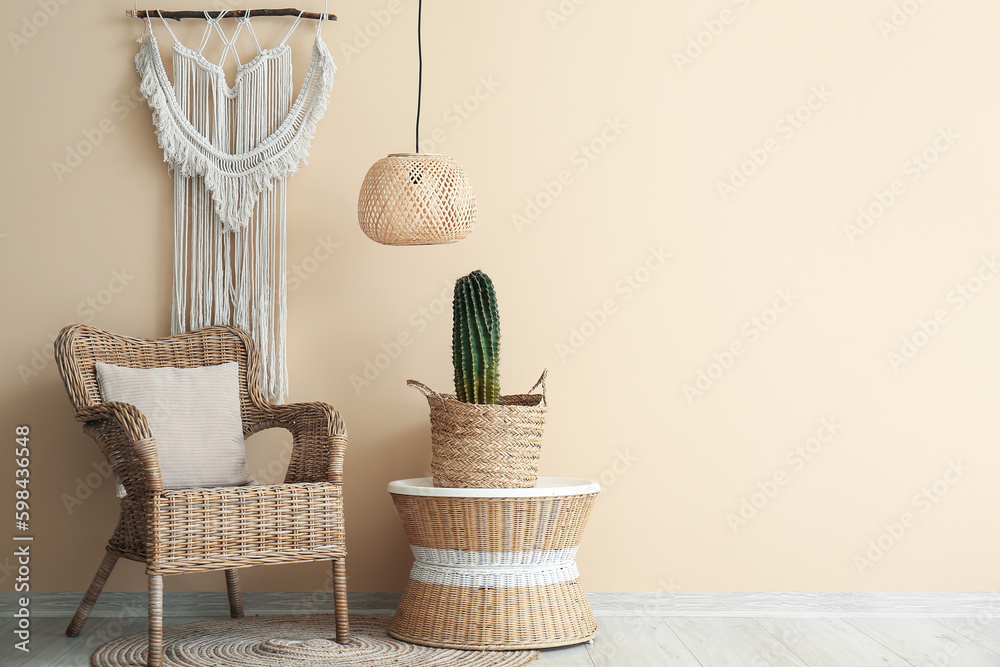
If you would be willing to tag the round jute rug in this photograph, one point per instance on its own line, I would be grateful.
(293, 641)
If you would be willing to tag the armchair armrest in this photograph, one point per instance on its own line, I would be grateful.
(124, 436)
(319, 438)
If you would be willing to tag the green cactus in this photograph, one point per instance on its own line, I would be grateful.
(475, 340)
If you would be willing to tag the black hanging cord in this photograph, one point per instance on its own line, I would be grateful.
(420, 79)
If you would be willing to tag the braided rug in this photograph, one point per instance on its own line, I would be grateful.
(293, 641)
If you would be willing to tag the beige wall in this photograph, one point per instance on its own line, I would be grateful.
(664, 133)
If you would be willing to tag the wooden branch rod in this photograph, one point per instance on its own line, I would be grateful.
(177, 15)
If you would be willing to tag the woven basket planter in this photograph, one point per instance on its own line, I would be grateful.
(486, 446)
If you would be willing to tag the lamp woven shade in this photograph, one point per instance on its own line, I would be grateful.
(416, 199)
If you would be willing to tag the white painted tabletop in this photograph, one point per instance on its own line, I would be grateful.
(545, 486)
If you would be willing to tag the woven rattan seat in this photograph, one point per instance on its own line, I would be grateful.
(203, 529)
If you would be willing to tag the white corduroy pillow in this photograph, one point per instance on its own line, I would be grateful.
(194, 415)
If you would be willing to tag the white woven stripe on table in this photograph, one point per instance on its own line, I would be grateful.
(520, 576)
(458, 558)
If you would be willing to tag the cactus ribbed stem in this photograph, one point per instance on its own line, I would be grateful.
(476, 340)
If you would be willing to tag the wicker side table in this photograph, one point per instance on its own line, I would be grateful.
(494, 568)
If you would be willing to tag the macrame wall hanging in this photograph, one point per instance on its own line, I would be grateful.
(231, 151)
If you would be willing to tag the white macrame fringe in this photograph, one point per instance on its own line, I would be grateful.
(234, 179)
(231, 152)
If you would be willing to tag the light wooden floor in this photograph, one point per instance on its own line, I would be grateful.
(656, 641)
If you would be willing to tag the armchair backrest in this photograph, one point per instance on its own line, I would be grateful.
(79, 347)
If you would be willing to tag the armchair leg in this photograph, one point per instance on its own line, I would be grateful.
(340, 600)
(155, 655)
(235, 598)
(96, 586)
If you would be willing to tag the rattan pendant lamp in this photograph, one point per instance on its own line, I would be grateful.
(416, 198)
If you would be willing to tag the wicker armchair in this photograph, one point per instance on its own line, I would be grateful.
(201, 529)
